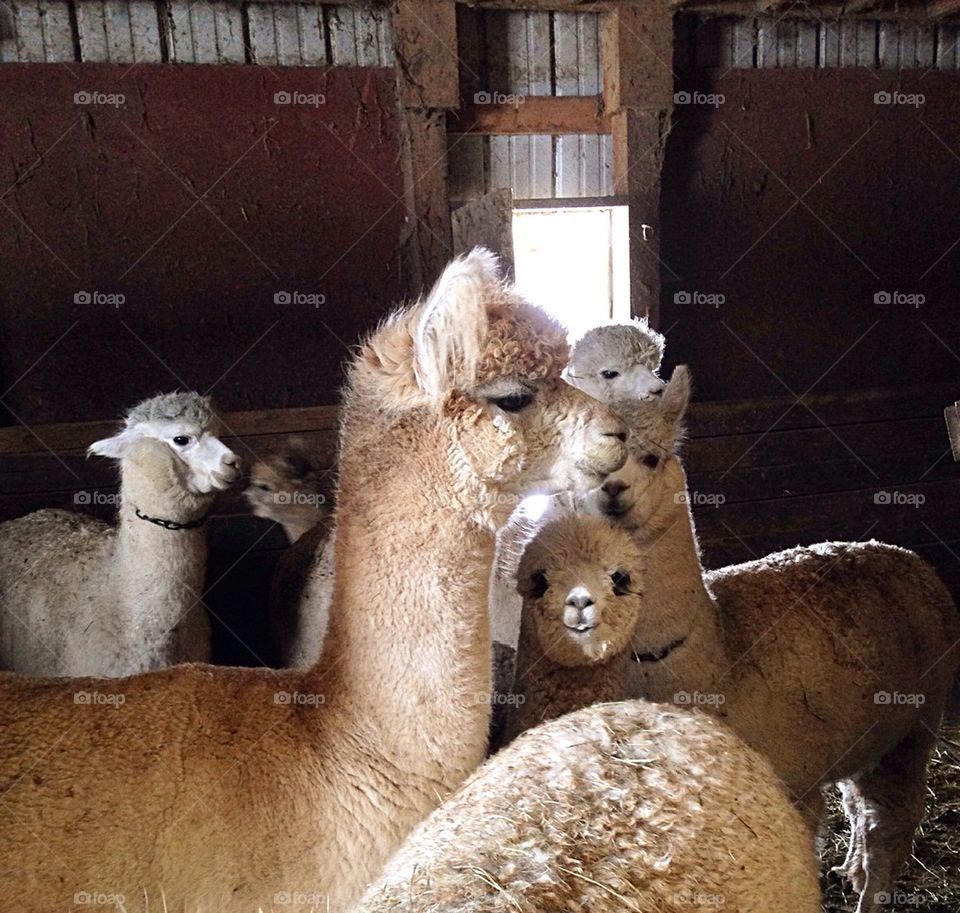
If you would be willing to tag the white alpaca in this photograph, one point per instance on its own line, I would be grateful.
(79, 597)
(618, 807)
(581, 581)
(835, 660)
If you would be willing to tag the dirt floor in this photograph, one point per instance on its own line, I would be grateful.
(931, 880)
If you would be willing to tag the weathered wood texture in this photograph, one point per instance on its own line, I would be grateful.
(274, 34)
(767, 42)
(488, 222)
(525, 61)
(252, 240)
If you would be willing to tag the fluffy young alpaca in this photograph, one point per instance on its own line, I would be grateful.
(291, 488)
(617, 807)
(580, 580)
(80, 597)
(834, 660)
(233, 789)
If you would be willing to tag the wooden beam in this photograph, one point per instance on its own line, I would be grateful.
(534, 114)
(638, 85)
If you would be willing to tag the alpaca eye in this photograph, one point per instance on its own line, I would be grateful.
(609, 375)
(621, 583)
(651, 460)
(512, 403)
(181, 440)
(263, 487)
(538, 584)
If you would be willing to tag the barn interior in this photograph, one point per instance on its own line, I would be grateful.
(226, 196)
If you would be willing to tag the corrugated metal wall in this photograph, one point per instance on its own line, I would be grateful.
(179, 31)
(528, 54)
(769, 42)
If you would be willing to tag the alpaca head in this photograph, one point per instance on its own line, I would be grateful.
(619, 361)
(633, 494)
(174, 437)
(289, 486)
(483, 368)
(580, 582)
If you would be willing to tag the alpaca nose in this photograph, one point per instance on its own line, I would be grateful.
(580, 599)
(614, 488)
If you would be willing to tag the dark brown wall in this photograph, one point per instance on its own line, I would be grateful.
(102, 198)
(881, 185)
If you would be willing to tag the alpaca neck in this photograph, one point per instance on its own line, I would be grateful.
(675, 592)
(407, 653)
(544, 689)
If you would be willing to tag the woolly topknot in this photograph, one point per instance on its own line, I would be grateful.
(184, 406)
(630, 343)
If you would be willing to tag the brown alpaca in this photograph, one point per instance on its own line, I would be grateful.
(581, 582)
(235, 789)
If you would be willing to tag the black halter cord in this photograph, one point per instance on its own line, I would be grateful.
(661, 654)
(171, 524)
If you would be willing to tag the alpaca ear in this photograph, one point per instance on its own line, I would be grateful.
(453, 324)
(676, 394)
(114, 447)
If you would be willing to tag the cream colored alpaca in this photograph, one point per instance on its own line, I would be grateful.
(80, 597)
(580, 580)
(834, 660)
(237, 789)
(618, 807)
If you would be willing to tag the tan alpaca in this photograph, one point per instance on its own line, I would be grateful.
(580, 580)
(617, 807)
(81, 597)
(238, 789)
(834, 660)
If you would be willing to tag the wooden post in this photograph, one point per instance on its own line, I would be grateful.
(425, 36)
(638, 86)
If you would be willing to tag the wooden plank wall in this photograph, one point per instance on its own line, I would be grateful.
(763, 475)
(768, 41)
(529, 54)
(180, 31)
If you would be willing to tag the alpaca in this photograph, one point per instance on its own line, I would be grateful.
(291, 488)
(616, 807)
(80, 597)
(205, 787)
(618, 361)
(835, 660)
(580, 579)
